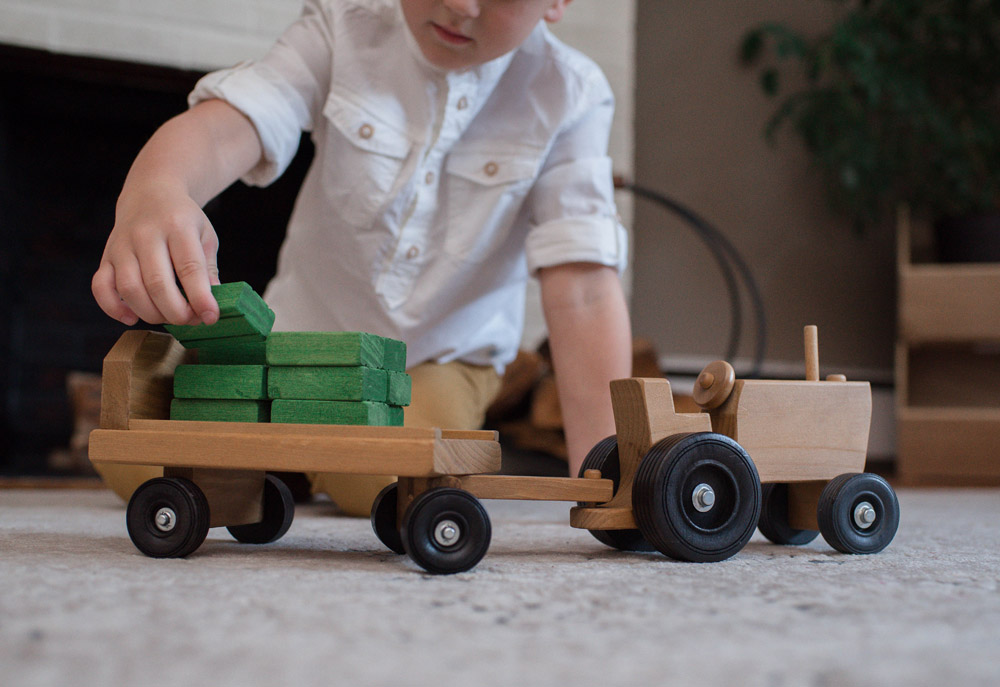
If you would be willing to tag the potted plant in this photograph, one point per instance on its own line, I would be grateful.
(898, 103)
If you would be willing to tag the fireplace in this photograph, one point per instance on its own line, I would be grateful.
(69, 129)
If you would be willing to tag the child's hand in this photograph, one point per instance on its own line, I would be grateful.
(159, 232)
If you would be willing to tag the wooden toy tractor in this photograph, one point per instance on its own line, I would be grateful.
(690, 485)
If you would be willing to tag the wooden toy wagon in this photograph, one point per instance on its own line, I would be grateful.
(687, 485)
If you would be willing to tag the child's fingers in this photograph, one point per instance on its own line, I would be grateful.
(192, 268)
(107, 297)
(160, 285)
(132, 289)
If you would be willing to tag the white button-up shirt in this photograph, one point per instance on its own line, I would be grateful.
(432, 195)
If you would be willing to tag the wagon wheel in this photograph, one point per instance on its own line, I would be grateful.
(604, 457)
(384, 512)
(858, 513)
(446, 530)
(773, 522)
(279, 510)
(714, 384)
(167, 517)
(697, 497)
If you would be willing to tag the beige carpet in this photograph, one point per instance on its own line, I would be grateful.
(549, 605)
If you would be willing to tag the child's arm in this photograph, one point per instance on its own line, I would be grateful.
(591, 342)
(160, 229)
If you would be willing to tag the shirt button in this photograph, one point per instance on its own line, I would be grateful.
(491, 169)
(366, 131)
(429, 178)
(412, 253)
(463, 103)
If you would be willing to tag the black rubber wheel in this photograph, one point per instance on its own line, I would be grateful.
(697, 497)
(279, 511)
(446, 530)
(858, 513)
(167, 517)
(384, 518)
(773, 522)
(604, 457)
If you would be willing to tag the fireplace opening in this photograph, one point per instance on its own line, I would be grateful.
(69, 130)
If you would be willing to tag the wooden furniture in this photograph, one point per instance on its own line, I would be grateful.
(947, 366)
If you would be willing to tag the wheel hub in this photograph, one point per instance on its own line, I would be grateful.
(703, 498)
(165, 519)
(447, 533)
(864, 515)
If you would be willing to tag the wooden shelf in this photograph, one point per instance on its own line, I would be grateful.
(947, 368)
(949, 302)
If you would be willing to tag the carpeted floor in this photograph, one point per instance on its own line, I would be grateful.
(549, 605)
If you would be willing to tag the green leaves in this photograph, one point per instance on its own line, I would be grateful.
(896, 101)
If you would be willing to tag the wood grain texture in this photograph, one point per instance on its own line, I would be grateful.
(226, 352)
(798, 430)
(328, 383)
(394, 355)
(525, 488)
(602, 518)
(220, 410)
(220, 381)
(333, 413)
(400, 388)
(137, 380)
(242, 313)
(348, 349)
(296, 448)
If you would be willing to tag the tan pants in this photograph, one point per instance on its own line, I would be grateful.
(451, 396)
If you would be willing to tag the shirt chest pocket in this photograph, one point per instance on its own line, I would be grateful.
(363, 158)
(485, 193)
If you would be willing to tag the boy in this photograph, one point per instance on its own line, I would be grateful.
(459, 147)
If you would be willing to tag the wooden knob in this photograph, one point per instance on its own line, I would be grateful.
(836, 378)
(592, 474)
(714, 384)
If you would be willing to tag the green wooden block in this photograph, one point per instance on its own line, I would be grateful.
(241, 313)
(216, 410)
(224, 352)
(328, 383)
(395, 355)
(220, 381)
(395, 417)
(349, 349)
(330, 412)
(400, 385)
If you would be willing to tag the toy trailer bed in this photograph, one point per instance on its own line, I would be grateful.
(215, 473)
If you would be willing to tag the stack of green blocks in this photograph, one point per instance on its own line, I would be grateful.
(245, 373)
(343, 378)
(229, 382)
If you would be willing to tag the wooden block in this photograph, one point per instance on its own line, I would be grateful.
(235, 497)
(226, 352)
(525, 488)
(241, 313)
(400, 386)
(395, 416)
(220, 381)
(219, 410)
(246, 329)
(328, 383)
(394, 355)
(330, 412)
(348, 349)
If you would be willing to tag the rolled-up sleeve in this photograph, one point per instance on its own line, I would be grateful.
(572, 205)
(282, 93)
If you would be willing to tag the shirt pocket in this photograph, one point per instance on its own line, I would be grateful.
(485, 193)
(363, 158)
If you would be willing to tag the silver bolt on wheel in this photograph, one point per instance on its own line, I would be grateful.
(703, 498)
(864, 515)
(165, 519)
(447, 532)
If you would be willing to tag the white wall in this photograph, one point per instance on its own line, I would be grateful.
(208, 34)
